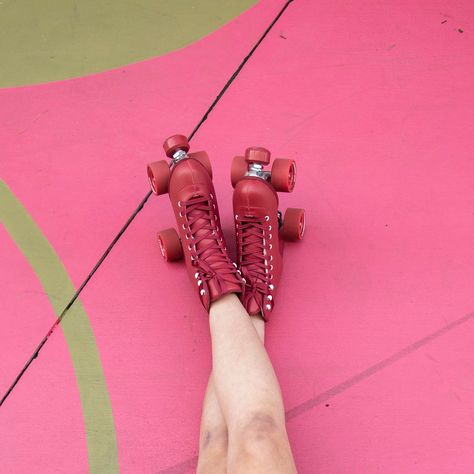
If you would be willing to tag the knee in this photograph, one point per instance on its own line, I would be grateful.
(214, 440)
(260, 445)
(213, 451)
(261, 436)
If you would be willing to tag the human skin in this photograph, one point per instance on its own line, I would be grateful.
(243, 421)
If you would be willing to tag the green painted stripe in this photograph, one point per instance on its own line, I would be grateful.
(96, 407)
(49, 40)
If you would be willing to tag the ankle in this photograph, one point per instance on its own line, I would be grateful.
(227, 301)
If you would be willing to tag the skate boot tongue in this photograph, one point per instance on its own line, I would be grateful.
(252, 248)
(203, 228)
(254, 263)
(215, 272)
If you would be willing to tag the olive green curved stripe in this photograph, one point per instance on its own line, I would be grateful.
(96, 407)
(50, 40)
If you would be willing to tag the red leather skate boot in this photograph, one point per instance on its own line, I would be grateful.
(259, 226)
(188, 181)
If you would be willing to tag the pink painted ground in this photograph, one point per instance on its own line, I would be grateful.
(375, 103)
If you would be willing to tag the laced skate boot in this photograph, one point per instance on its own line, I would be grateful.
(259, 225)
(188, 181)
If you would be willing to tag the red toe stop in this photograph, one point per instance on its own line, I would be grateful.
(257, 155)
(174, 143)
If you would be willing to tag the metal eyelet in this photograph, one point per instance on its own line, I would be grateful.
(202, 292)
(270, 228)
(244, 280)
(236, 216)
(181, 214)
(179, 203)
(271, 267)
(271, 287)
(196, 275)
(270, 246)
(235, 265)
(268, 307)
(271, 258)
(267, 218)
(189, 247)
(211, 196)
(183, 226)
(199, 282)
(269, 236)
(269, 297)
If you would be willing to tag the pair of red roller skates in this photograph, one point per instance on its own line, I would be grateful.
(259, 225)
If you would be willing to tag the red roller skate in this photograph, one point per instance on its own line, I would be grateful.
(188, 181)
(260, 227)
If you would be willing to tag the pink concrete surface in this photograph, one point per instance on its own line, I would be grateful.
(36, 421)
(372, 333)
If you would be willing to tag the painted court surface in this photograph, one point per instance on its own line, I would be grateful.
(373, 329)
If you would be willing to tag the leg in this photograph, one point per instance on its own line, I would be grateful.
(248, 392)
(213, 434)
(213, 438)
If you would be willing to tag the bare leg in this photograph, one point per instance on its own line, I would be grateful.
(248, 392)
(213, 438)
(213, 435)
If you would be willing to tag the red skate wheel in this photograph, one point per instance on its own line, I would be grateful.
(283, 175)
(238, 169)
(203, 158)
(293, 224)
(174, 143)
(256, 154)
(159, 176)
(170, 245)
